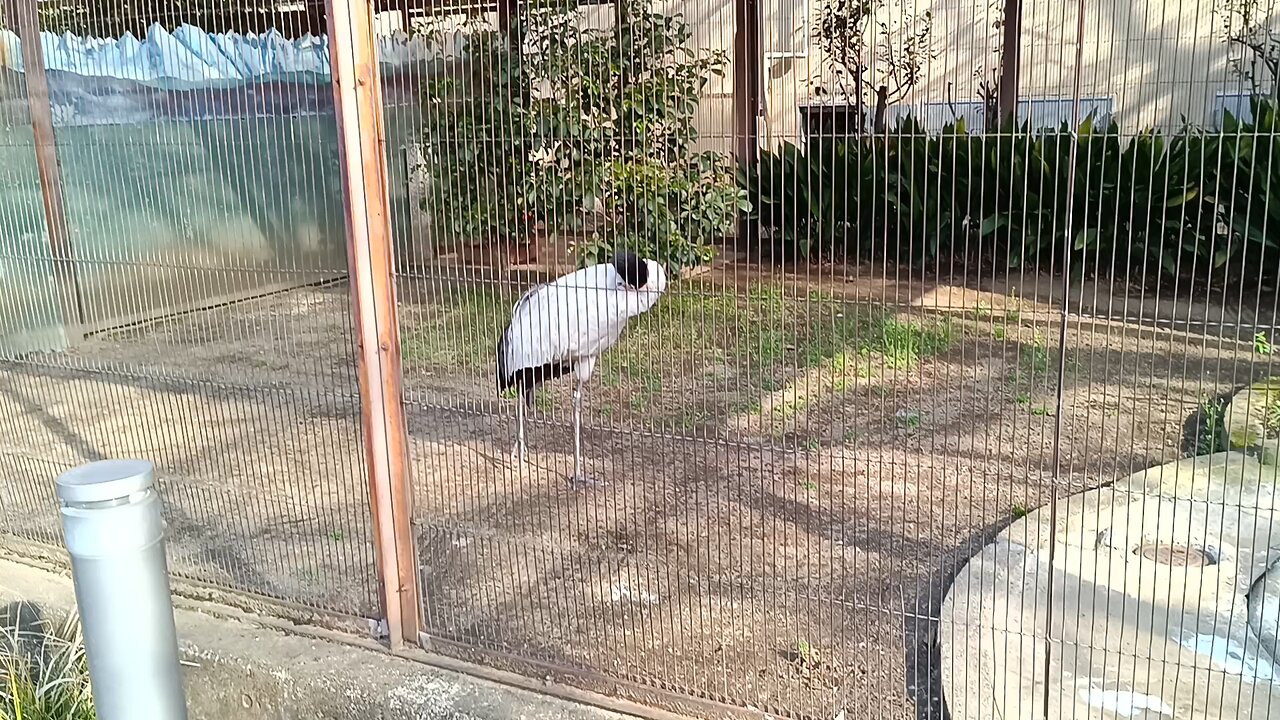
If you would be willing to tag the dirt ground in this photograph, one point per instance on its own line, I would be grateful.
(790, 478)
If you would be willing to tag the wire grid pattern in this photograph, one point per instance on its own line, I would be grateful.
(209, 250)
(798, 456)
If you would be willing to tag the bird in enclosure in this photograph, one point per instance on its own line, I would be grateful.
(564, 326)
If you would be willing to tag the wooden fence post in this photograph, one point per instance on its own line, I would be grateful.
(27, 22)
(362, 151)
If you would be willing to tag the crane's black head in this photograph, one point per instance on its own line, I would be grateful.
(633, 270)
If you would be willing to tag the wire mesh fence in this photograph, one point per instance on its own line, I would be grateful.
(949, 391)
(204, 235)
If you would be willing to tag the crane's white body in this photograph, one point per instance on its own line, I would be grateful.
(573, 319)
(564, 326)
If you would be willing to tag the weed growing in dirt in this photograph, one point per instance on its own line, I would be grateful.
(43, 672)
(1018, 512)
(1262, 344)
(1210, 432)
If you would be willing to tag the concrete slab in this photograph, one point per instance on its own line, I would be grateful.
(238, 670)
(1156, 597)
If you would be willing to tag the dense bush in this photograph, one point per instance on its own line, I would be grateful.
(562, 126)
(1190, 204)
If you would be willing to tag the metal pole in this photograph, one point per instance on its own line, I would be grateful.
(114, 532)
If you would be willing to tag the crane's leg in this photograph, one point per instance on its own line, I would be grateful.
(583, 374)
(518, 452)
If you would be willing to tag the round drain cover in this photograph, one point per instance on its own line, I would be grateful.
(1176, 555)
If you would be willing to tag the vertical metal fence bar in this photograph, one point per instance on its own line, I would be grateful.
(1064, 317)
(27, 21)
(362, 141)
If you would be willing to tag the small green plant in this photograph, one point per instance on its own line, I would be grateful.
(1271, 418)
(813, 444)
(1262, 344)
(1023, 399)
(1034, 359)
(1210, 431)
(999, 333)
(806, 654)
(336, 536)
(43, 672)
(982, 311)
(1040, 410)
(909, 419)
(1018, 512)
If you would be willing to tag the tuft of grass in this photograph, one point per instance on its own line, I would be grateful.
(999, 333)
(43, 672)
(902, 344)
(336, 536)
(1262, 344)
(1210, 431)
(1033, 360)
(1040, 410)
(1018, 512)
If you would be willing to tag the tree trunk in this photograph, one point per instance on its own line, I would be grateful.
(1010, 60)
(882, 109)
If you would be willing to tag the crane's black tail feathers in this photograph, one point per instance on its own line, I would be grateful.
(529, 378)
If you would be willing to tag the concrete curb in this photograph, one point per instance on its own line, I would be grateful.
(236, 669)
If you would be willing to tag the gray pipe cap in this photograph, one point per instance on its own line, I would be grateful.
(105, 480)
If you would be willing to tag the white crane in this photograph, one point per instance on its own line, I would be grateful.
(563, 326)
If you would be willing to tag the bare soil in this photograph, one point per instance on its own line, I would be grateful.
(790, 479)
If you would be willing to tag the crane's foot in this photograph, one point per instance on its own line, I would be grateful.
(581, 481)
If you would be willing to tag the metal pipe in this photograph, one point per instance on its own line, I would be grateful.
(114, 531)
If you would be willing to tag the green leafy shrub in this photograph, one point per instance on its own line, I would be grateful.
(570, 128)
(1190, 204)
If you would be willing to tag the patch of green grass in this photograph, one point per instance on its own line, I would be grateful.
(999, 333)
(337, 536)
(43, 672)
(1018, 512)
(1041, 410)
(903, 344)
(1023, 399)
(982, 311)
(459, 332)
(542, 400)
(1033, 360)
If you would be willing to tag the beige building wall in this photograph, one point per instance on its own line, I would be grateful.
(1149, 64)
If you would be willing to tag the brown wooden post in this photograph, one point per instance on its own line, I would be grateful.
(747, 60)
(25, 18)
(362, 152)
(1010, 60)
